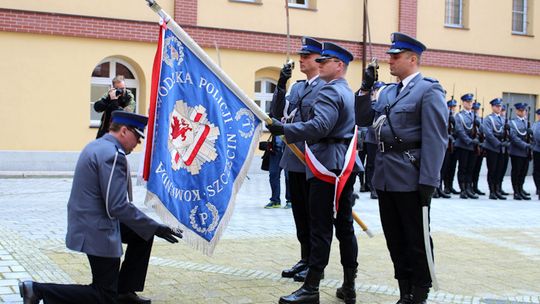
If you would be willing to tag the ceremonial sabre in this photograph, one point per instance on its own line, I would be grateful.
(427, 243)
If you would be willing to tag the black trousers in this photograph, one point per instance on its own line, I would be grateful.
(445, 165)
(103, 289)
(450, 171)
(520, 166)
(536, 170)
(108, 278)
(321, 196)
(401, 219)
(466, 161)
(495, 165)
(299, 188)
(370, 163)
(477, 167)
(506, 158)
(362, 155)
(135, 265)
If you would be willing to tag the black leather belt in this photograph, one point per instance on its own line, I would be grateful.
(332, 140)
(398, 147)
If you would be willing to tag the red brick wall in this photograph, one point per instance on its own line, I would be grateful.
(102, 28)
(407, 17)
(185, 12)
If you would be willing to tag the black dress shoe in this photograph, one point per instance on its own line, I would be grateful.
(478, 191)
(301, 276)
(132, 298)
(442, 194)
(454, 191)
(307, 294)
(300, 266)
(27, 293)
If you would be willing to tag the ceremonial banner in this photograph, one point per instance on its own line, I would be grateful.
(201, 138)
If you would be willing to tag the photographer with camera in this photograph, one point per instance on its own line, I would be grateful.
(117, 98)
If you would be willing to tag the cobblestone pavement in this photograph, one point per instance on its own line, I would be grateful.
(486, 251)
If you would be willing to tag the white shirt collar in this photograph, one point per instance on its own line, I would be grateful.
(408, 79)
(310, 81)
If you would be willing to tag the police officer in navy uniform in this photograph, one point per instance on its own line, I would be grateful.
(519, 151)
(465, 145)
(371, 146)
(506, 157)
(451, 157)
(536, 153)
(296, 107)
(101, 216)
(411, 121)
(449, 154)
(495, 144)
(329, 133)
(480, 153)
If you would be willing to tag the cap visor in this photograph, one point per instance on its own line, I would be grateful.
(304, 53)
(395, 51)
(141, 134)
(322, 58)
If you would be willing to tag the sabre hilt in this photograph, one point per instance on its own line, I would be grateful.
(375, 64)
(290, 63)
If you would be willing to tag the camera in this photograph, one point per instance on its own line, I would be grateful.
(119, 92)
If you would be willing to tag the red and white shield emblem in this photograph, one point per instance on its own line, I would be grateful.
(191, 137)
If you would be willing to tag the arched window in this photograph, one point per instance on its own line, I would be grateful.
(264, 90)
(102, 77)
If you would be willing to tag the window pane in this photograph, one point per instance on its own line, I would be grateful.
(258, 102)
(518, 5)
(267, 87)
(123, 70)
(96, 92)
(272, 87)
(257, 86)
(268, 103)
(299, 2)
(517, 23)
(102, 70)
(453, 12)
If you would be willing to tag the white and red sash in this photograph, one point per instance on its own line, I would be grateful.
(320, 172)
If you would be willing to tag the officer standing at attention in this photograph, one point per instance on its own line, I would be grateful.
(411, 122)
(450, 169)
(519, 151)
(448, 154)
(371, 146)
(100, 212)
(296, 107)
(494, 145)
(465, 147)
(330, 136)
(536, 153)
(480, 153)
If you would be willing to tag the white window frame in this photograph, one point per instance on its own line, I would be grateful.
(264, 97)
(130, 83)
(449, 10)
(525, 13)
(292, 3)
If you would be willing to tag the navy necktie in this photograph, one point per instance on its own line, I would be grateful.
(399, 87)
